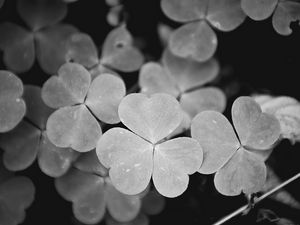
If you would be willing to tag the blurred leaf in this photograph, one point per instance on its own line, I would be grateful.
(244, 172)
(255, 129)
(37, 111)
(17, 194)
(164, 32)
(52, 160)
(92, 194)
(141, 219)
(104, 96)
(11, 104)
(112, 3)
(41, 13)
(286, 110)
(210, 98)
(18, 46)
(266, 214)
(75, 127)
(286, 13)
(196, 40)
(121, 207)
(119, 53)
(217, 138)
(129, 158)
(1, 3)
(86, 192)
(114, 16)
(174, 160)
(259, 9)
(153, 118)
(88, 162)
(153, 203)
(20, 146)
(68, 88)
(81, 49)
(51, 46)
(153, 78)
(285, 221)
(188, 73)
(281, 195)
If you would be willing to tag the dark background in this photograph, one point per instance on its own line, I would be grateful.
(253, 58)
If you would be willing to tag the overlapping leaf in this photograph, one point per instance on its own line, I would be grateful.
(28, 140)
(196, 38)
(286, 110)
(284, 12)
(45, 39)
(152, 204)
(80, 101)
(234, 158)
(257, 9)
(183, 78)
(12, 106)
(92, 194)
(81, 49)
(17, 194)
(118, 52)
(133, 158)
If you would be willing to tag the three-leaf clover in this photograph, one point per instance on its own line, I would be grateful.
(133, 157)
(284, 12)
(29, 140)
(90, 190)
(238, 167)
(45, 39)
(118, 52)
(79, 101)
(184, 78)
(196, 38)
(12, 106)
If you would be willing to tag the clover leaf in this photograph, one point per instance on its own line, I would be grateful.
(196, 38)
(284, 12)
(29, 141)
(287, 110)
(184, 79)
(87, 186)
(137, 155)
(17, 194)
(79, 103)
(152, 204)
(232, 157)
(257, 9)
(118, 52)
(12, 106)
(45, 39)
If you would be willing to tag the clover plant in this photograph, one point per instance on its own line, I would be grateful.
(143, 123)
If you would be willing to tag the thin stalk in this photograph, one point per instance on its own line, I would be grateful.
(257, 200)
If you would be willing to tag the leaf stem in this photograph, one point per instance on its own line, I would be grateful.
(243, 208)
